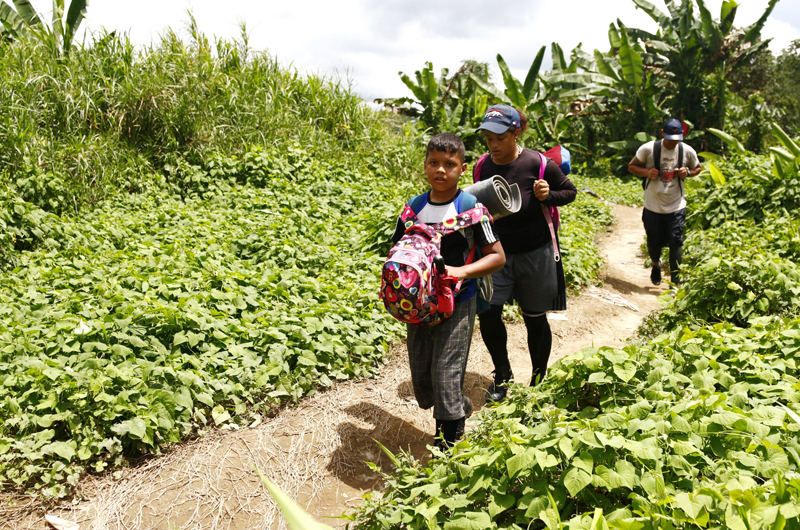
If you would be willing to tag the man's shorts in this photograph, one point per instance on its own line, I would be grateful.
(664, 229)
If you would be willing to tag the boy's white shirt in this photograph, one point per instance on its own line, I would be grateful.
(436, 213)
(665, 197)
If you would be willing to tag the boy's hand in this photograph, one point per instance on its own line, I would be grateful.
(652, 173)
(456, 272)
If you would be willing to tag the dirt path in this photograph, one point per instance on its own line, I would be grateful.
(316, 451)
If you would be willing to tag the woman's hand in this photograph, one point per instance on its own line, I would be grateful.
(541, 189)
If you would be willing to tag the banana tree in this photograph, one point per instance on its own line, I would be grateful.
(695, 55)
(539, 96)
(447, 104)
(524, 96)
(26, 22)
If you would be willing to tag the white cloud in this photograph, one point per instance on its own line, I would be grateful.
(371, 41)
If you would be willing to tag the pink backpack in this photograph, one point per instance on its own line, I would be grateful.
(411, 289)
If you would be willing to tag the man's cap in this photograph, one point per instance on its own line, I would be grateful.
(673, 130)
(499, 118)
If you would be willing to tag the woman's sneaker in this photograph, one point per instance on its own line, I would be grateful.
(497, 390)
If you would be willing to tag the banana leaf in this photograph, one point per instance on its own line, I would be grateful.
(607, 66)
(783, 154)
(753, 31)
(710, 30)
(559, 63)
(785, 139)
(716, 175)
(613, 36)
(631, 62)
(513, 90)
(490, 89)
(533, 74)
(731, 141)
(27, 12)
(296, 517)
(585, 77)
(656, 14)
(12, 21)
(727, 15)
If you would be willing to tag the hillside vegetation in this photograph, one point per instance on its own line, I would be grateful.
(190, 237)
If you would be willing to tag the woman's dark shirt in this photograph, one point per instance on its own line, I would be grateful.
(527, 229)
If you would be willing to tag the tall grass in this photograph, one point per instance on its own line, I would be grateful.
(108, 118)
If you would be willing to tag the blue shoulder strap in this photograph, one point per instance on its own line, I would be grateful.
(467, 202)
(418, 203)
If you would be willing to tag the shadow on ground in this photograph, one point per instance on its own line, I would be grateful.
(349, 461)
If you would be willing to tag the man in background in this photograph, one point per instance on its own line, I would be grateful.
(664, 164)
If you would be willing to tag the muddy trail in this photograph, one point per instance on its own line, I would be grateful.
(316, 452)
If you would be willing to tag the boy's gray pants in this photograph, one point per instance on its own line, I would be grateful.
(438, 358)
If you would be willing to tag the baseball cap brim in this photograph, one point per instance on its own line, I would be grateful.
(497, 128)
(673, 136)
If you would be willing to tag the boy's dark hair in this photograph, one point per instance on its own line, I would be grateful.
(447, 143)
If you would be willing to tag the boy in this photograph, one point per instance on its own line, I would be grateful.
(438, 354)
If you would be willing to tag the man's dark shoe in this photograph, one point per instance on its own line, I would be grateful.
(655, 274)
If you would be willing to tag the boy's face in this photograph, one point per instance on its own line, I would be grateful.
(443, 171)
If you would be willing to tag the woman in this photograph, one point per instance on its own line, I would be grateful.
(532, 275)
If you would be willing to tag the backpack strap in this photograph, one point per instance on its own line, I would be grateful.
(476, 169)
(468, 202)
(546, 210)
(656, 162)
(680, 164)
(418, 203)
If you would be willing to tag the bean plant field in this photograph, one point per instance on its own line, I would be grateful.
(191, 237)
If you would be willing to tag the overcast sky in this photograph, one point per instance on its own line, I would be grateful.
(370, 41)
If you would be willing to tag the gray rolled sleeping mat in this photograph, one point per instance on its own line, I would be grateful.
(498, 197)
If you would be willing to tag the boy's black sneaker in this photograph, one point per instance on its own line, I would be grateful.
(655, 274)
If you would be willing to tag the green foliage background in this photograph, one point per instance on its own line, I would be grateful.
(190, 237)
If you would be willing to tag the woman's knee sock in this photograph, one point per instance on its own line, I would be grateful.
(495, 337)
(540, 341)
(450, 430)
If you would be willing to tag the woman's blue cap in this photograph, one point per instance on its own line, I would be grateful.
(499, 118)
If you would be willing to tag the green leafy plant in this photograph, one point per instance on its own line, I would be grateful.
(680, 430)
(25, 22)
